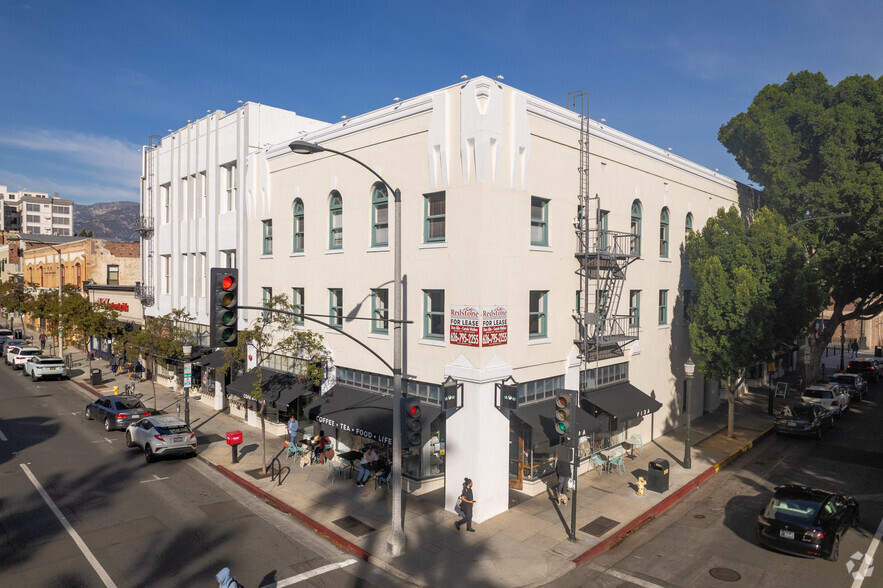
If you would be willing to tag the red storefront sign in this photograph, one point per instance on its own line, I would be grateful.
(464, 326)
(120, 306)
(494, 325)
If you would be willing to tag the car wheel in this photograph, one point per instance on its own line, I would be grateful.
(88, 413)
(34, 377)
(129, 442)
(835, 549)
(149, 456)
(107, 425)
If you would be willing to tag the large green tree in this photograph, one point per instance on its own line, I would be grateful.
(276, 333)
(744, 276)
(14, 297)
(817, 150)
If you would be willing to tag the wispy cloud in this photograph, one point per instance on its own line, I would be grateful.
(102, 152)
(85, 192)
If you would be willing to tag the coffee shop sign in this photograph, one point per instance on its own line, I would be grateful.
(354, 430)
(120, 306)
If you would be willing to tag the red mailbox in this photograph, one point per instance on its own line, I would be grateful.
(234, 437)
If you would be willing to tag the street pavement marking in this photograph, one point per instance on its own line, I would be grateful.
(628, 578)
(155, 479)
(105, 439)
(872, 549)
(310, 574)
(3, 437)
(70, 530)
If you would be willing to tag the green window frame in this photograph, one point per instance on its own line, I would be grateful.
(603, 230)
(297, 301)
(434, 217)
(335, 307)
(434, 314)
(688, 223)
(297, 223)
(635, 309)
(268, 237)
(635, 229)
(266, 296)
(537, 314)
(539, 221)
(663, 307)
(380, 311)
(335, 221)
(379, 216)
(663, 233)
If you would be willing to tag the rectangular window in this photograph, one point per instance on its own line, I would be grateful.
(434, 218)
(113, 275)
(663, 307)
(202, 277)
(185, 198)
(268, 237)
(603, 240)
(165, 195)
(335, 307)
(228, 200)
(266, 296)
(635, 309)
(167, 274)
(297, 300)
(203, 195)
(537, 314)
(539, 221)
(380, 310)
(61, 220)
(434, 314)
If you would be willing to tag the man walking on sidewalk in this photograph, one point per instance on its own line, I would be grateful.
(42, 341)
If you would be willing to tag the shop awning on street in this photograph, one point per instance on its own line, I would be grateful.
(279, 388)
(623, 401)
(541, 416)
(215, 359)
(361, 413)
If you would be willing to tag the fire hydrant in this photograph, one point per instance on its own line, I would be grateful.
(641, 483)
(116, 390)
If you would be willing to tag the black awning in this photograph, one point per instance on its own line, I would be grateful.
(541, 416)
(215, 359)
(279, 388)
(623, 401)
(361, 413)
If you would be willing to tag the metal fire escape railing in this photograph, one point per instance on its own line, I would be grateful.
(603, 257)
(144, 289)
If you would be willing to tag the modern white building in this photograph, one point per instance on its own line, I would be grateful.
(36, 213)
(497, 203)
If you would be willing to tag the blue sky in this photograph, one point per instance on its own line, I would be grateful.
(86, 82)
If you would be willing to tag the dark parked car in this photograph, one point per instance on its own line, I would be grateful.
(805, 521)
(866, 367)
(803, 418)
(117, 412)
(855, 384)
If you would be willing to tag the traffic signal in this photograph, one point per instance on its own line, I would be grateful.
(562, 413)
(413, 426)
(224, 320)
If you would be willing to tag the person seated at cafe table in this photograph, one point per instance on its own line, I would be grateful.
(320, 441)
(366, 467)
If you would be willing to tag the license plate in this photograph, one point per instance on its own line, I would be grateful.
(786, 534)
(179, 439)
(792, 424)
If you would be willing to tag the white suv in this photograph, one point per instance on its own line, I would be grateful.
(831, 396)
(20, 355)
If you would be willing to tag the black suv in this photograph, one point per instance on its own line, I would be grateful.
(866, 367)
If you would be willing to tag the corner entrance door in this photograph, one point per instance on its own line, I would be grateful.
(516, 454)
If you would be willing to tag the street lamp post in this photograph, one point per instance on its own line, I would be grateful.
(397, 539)
(187, 349)
(842, 343)
(689, 367)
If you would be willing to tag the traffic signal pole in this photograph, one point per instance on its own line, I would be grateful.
(574, 436)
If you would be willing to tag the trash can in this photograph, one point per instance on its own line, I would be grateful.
(878, 351)
(658, 475)
(95, 376)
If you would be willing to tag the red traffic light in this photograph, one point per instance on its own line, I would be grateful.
(413, 411)
(228, 282)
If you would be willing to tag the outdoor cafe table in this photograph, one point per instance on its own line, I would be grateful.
(612, 452)
(353, 457)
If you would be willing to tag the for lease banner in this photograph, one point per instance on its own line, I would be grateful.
(494, 325)
(464, 325)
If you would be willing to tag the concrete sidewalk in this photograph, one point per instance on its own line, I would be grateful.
(526, 546)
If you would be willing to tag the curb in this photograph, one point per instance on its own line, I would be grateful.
(667, 502)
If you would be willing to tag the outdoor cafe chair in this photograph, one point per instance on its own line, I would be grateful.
(597, 462)
(617, 462)
(334, 469)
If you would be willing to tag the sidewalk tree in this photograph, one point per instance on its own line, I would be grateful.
(817, 150)
(744, 276)
(277, 334)
(14, 297)
(88, 319)
(159, 338)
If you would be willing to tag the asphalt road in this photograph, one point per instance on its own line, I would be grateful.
(712, 530)
(115, 520)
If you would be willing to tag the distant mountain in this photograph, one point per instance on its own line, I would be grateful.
(117, 221)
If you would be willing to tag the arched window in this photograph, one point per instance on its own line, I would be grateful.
(688, 224)
(379, 216)
(635, 228)
(663, 233)
(297, 223)
(335, 221)
(79, 277)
